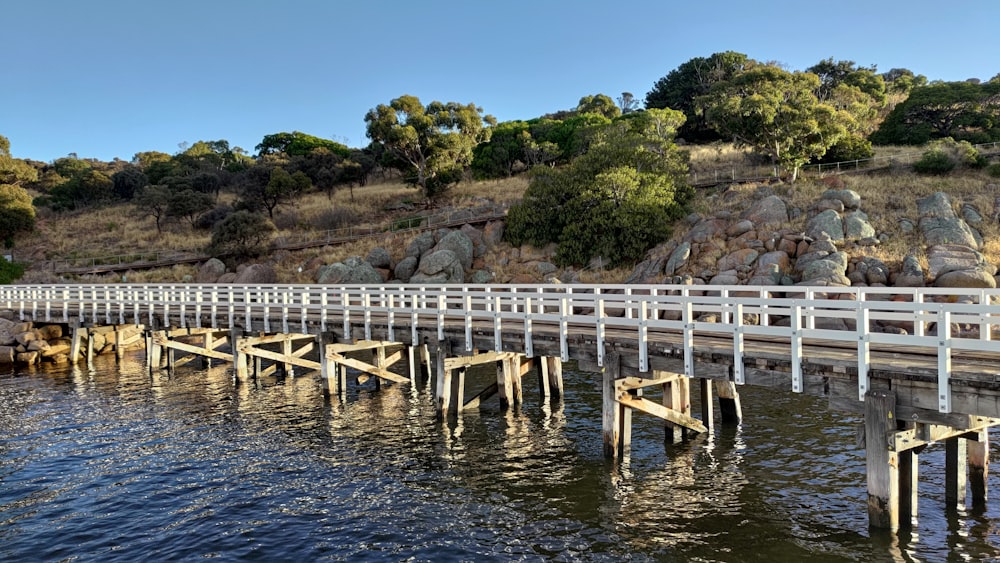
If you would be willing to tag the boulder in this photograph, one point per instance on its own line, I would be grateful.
(678, 258)
(478, 246)
(406, 268)
(420, 244)
(944, 258)
(734, 260)
(767, 211)
(706, 230)
(856, 226)
(850, 198)
(379, 258)
(440, 266)
(740, 228)
(493, 233)
(228, 277)
(353, 270)
(257, 274)
(966, 278)
(481, 277)
(460, 244)
(911, 274)
(211, 271)
(828, 222)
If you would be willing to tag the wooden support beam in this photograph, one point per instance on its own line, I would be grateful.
(881, 463)
(505, 384)
(662, 412)
(239, 359)
(730, 409)
(707, 410)
(483, 395)
(458, 389)
(328, 370)
(979, 467)
(554, 365)
(676, 397)
(358, 365)
(443, 389)
(160, 340)
(610, 419)
(517, 390)
(340, 348)
(79, 334)
(156, 353)
(955, 472)
(544, 386)
(477, 359)
(908, 479)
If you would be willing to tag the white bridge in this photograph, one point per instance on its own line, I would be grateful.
(921, 363)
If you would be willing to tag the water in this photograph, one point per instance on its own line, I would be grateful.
(112, 464)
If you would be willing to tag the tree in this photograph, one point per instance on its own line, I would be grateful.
(430, 145)
(777, 114)
(501, 155)
(960, 110)
(615, 201)
(154, 201)
(189, 205)
(298, 144)
(17, 214)
(127, 182)
(241, 234)
(627, 102)
(600, 104)
(682, 86)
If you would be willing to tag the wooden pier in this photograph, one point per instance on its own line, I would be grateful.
(920, 365)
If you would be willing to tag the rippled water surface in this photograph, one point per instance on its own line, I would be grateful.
(112, 464)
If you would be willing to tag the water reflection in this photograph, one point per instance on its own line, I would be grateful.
(107, 462)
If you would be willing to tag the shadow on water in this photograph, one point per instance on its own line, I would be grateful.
(110, 462)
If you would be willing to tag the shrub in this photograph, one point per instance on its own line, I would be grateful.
(213, 216)
(852, 147)
(242, 235)
(994, 170)
(10, 271)
(934, 162)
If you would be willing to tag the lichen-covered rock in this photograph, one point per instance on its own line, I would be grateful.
(828, 222)
(481, 277)
(770, 210)
(210, 271)
(460, 244)
(850, 198)
(353, 270)
(493, 233)
(911, 274)
(857, 227)
(440, 266)
(420, 244)
(678, 258)
(406, 268)
(257, 273)
(379, 258)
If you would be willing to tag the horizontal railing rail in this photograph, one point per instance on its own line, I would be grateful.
(939, 321)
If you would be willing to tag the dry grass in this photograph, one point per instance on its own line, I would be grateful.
(886, 198)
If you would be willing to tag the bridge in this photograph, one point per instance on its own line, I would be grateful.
(920, 364)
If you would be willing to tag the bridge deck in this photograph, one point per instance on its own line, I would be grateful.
(778, 336)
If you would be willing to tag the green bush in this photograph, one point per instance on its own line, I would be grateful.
(241, 235)
(10, 271)
(994, 170)
(934, 162)
(852, 147)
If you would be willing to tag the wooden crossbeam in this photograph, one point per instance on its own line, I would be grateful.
(278, 357)
(661, 411)
(484, 358)
(367, 368)
(272, 338)
(924, 434)
(360, 345)
(629, 383)
(486, 393)
(161, 340)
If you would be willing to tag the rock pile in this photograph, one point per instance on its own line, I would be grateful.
(26, 343)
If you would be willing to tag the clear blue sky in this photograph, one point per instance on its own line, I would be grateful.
(109, 78)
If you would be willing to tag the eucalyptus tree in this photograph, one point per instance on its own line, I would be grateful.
(431, 145)
(777, 113)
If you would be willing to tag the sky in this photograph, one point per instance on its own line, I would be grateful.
(107, 79)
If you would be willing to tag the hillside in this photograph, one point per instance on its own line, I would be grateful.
(888, 198)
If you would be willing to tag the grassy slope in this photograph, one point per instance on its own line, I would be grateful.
(121, 229)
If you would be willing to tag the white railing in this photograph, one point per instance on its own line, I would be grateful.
(790, 315)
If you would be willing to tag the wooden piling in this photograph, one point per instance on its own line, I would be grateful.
(707, 410)
(611, 416)
(505, 384)
(881, 462)
(730, 409)
(955, 472)
(554, 366)
(979, 467)
(443, 387)
(908, 478)
(79, 333)
(677, 397)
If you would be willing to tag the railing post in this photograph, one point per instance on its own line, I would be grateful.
(739, 376)
(864, 350)
(944, 359)
(796, 336)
